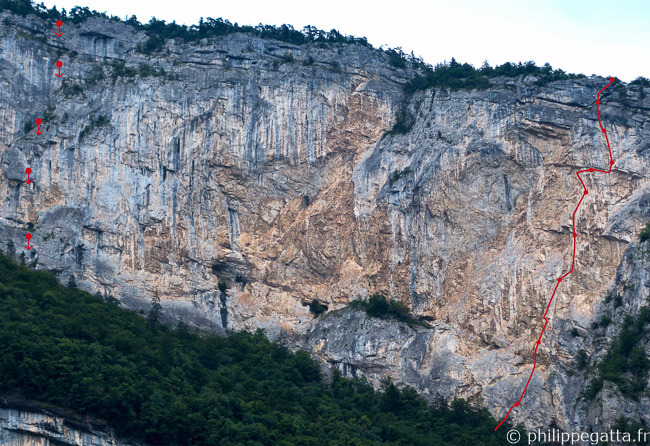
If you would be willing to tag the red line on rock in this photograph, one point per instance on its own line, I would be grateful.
(573, 260)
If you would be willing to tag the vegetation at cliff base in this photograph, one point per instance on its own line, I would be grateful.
(66, 347)
(625, 364)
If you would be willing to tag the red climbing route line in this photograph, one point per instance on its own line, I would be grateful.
(573, 260)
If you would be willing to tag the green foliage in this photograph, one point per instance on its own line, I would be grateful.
(378, 306)
(464, 76)
(644, 235)
(625, 363)
(399, 174)
(582, 359)
(94, 122)
(120, 70)
(641, 82)
(452, 75)
(605, 321)
(155, 310)
(158, 31)
(95, 75)
(28, 125)
(145, 70)
(224, 284)
(403, 123)
(71, 90)
(316, 308)
(20, 7)
(618, 300)
(70, 349)
(153, 44)
(624, 424)
(396, 58)
(72, 283)
(31, 36)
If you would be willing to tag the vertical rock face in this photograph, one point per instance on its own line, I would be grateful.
(229, 163)
(239, 179)
(472, 209)
(439, 359)
(25, 427)
(629, 294)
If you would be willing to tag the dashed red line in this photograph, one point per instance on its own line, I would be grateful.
(575, 235)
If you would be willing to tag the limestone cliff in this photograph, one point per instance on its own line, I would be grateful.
(267, 167)
(479, 228)
(439, 360)
(231, 165)
(24, 424)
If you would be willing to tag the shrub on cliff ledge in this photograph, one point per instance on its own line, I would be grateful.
(317, 308)
(645, 233)
(224, 284)
(378, 306)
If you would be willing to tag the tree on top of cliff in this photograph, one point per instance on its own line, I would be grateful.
(463, 76)
(158, 31)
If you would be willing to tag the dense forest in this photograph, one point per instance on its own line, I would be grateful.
(62, 346)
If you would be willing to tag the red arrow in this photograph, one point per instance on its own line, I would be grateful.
(38, 130)
(59, 23)
(28, 236)
(59, 64)
(28, 171)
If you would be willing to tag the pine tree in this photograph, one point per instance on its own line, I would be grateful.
(156, 308)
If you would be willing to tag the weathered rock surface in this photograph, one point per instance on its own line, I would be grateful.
(632, 288)
(25, 426)
(244, 162)
(477, 231)
(439, 360)
(231, 164)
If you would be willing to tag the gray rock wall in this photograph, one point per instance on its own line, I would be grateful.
(25, 427)
(241, 161)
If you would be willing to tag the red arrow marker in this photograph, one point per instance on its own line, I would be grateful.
(28, 171)
(38, 130)
(28, 236)
(59, 64)
(59, 23)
